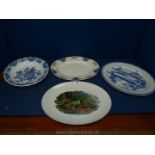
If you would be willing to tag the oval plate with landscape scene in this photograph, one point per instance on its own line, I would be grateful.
(76, 103)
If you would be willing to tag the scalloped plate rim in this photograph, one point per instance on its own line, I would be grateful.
(73, 77)
(26, 85)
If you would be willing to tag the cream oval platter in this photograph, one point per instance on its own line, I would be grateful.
(75, 68)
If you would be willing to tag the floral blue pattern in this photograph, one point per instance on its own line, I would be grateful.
(31, 58)
(85, 59)
(130, 81)
(96, 70)
(27, 75)
(45, 65)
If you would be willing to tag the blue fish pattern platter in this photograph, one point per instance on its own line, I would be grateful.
(128, 78)
(26, 71)
(75, 68)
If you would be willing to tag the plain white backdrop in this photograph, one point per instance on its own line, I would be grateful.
(74, 9)
(77, 145)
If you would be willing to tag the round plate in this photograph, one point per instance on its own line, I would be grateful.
(76, 103)
(26, 71)
(75, 68)
(128, 78)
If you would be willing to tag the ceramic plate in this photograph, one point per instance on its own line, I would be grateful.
(76, 103)
(75, 68)
(26, 71)
(128, 78)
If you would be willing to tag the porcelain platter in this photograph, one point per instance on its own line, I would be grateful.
(128, 78)
(74, 68)
(95, 105)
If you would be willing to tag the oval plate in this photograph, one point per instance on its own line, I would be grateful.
(75, 68)
(128, 78)
(26, 71)
(76, 103)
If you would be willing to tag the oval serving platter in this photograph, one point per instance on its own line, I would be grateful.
(75, 68)
(76, 103)
(26, 71)
(128, 78)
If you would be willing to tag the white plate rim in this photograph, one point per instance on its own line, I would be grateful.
(26, 85)
(105, 114)
(68, 78)
(121, 90)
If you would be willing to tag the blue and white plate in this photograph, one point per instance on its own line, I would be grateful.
(75, 68)
(26, 71)
(128, 78)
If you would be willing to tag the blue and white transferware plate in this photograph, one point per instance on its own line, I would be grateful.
(128, 78)
(75, 68)
(26, 71)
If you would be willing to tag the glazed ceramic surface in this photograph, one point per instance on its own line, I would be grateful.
(76, 103)
(128, 78)
(75, 68)
(26, 71)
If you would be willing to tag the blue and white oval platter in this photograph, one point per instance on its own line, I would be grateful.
(26, 71)
(128, 78)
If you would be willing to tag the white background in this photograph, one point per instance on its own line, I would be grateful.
(71, 9)
(77, 145)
